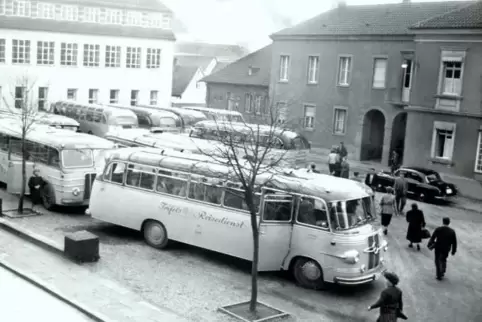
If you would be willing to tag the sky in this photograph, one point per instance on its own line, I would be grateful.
(248, 22)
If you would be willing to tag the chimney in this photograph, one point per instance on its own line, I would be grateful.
(341, 3)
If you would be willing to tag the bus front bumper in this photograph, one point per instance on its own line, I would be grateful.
(366, 278)
(73, 203)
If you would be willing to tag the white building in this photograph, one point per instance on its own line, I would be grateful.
(103, 51)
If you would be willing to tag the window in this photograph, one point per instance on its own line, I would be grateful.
(2, 50)
(153, 58)
(443, 140)
(45, 52)
(91, 55)
(172, 183)
(309, 122)
(206, 189)
(72, 94)
(313, 64)
(68, 54)
(19, 97)
(21, 8)
(21, 51)
(140, 176)
(478, 154)
(134, 18)
(69, 13)
(257, 107)
(115, 173)
(312, 212)
(93, 96)
(91, 14)
(45, 10)
(42, 98)
(344, 71)
(166, 22)
(114, 96)
(133, 57)
(452, 80)
(277, 207)
(112, 56)
(153, 97)
(2, 7)
(284, 66)
(134, 97)
(113, 16)
(234, 197)
(153, 20)
(339, 121)
(248, 102)
(379, 72)
(281, 112)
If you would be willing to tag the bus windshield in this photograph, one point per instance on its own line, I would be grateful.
(349, 214)
(79, 158)
(167, 122)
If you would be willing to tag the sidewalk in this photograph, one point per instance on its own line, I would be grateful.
(468, 188)
(106, 299)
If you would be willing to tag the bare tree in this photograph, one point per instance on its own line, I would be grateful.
(25, 111)
(248, 150)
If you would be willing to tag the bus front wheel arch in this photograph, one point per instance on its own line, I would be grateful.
(155, 234)
(307, 273)
(48, 197)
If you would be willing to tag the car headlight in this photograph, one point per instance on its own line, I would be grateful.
(75, 191)
(351, 256)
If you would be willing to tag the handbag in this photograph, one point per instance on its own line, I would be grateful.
(425, 233)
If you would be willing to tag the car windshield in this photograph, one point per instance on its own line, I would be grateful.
(433, 177)
(349, 214)
(79, 158)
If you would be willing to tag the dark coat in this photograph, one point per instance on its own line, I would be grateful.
(35, 194)
(416, 222)
(345, 170)
(444, 239)
(342, 151)
(390, 304)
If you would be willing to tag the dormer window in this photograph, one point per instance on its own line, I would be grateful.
(252, 70)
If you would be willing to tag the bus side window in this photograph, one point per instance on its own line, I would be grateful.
(15, 146)
(116, 173)
(202, 190)
(279, 210)
(143, 121)
(234, 198)
(97, 116)
(54, 159)
(141, 177)
(312, 212)
(173, 183)
(89, 116)
(3, 142)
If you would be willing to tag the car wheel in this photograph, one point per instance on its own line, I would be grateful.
(308, 274)
(155, 234)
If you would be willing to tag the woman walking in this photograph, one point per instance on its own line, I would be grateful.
(332, 161)
(416, 223)
(390, 301)
(387, 205)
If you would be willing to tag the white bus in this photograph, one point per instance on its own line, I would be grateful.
(189, 117)
(57, 121)
(96, 119)
(68, 161)
(217, 114)
(320, 227)
(290, 147)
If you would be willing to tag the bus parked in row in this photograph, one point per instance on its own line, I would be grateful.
(189, 118)
(57, 121)
(217, 114)
(148, 118)
(68, 161)
(291, 148)
(96, 119)
(320, 227)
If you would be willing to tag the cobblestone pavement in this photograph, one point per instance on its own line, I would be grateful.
(195, 282)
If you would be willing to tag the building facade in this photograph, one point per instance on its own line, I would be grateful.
(346, 75)
(242, 86)
(92, 52)
(445, 111)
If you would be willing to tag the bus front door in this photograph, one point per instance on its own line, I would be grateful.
(275, 231)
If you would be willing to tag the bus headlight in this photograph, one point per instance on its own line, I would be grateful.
(351, 256)
(75, 191)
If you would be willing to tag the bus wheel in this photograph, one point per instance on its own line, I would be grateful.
(308, 274)
(155, 234)
(47, 197)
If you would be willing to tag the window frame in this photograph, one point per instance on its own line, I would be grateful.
(305, 106)
(316, 70)
(136, 99)
(154, 173)
(74, 91)
(69, 54)
(45, 53)
(108, 170)
(375, 60)
(153, 101)
(335, 110)
(19, 99)
(349, 70)
(113, 56)
(3, 51)
(69, 13)
(296, 213)
(95, 97)
(478, 153)
(133, 57)
(23, 57)
(45, 99)
(153, 58)
(116, 96)
(91, 55)
(282, 78)
(46, 10)
(443, 126)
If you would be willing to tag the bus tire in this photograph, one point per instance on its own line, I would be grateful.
(48, 197)
(155, 234)
(308, 273)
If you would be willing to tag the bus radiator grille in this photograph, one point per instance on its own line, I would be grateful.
(374, 257)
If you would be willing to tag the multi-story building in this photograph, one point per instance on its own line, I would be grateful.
(445, 110)
(347, 74)
(242, 86)
(101, 51)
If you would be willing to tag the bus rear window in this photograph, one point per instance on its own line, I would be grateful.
(77, 158)
(300, 143)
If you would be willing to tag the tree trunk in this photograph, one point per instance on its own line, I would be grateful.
(254, 267)
(24, 176)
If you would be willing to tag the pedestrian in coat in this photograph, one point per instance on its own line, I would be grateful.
(342, 150)
(369, 179)
(35, 184)
(416, 222)
(443, 241)
(332, 161)
(390, 301)
(401, 188)
(344, 169)
(387, 205)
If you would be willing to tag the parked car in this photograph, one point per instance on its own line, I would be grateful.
(423, 184)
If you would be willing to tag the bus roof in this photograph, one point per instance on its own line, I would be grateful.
(54, 119)
(328, 187)
(149, 111)
(110, 110)
(246, 128)
(211, 110)
(57, 138)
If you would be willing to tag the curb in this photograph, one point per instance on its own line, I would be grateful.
(50, 289)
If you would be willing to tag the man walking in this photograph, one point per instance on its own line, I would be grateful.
(442, 241)
(342, 151)
(401, 188)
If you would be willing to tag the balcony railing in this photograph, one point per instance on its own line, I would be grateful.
(394, 96)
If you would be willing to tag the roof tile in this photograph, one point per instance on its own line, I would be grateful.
(154, 5)
(182, 76)
(468, 17)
